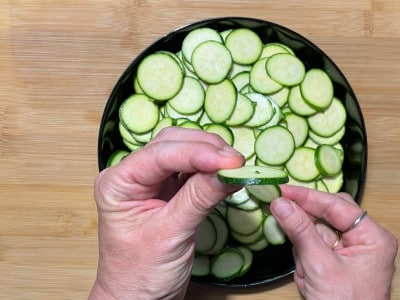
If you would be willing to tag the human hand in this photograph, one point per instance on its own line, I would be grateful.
(148, 217)
(359, 266)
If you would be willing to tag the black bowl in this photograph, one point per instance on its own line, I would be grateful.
(275, 262)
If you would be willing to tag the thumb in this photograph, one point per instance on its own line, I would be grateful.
(300, 230)
(197, 197)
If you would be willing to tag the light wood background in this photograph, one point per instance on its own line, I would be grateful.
(59, 61)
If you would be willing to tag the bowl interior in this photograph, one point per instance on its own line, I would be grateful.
(274, 262)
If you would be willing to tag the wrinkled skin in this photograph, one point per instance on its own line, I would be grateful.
(361, 266)
(148, 216)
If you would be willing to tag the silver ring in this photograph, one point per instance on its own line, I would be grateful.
(358, 220)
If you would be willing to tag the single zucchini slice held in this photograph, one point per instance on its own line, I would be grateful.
(249, 175)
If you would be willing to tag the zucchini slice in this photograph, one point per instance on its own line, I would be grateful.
(249, 175)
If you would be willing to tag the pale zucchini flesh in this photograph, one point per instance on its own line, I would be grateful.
(249, 175)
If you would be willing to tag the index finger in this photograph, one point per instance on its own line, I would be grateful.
(173, 150)
(335, 209)
(174, 133)
(177, 149)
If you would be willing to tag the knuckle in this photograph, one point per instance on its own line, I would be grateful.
(199, 197)
(392, 243)
(299, 227)
(346, 196)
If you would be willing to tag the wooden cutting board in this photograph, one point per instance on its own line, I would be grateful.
(59, 61)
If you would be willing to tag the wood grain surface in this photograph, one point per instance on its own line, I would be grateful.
(59, 61)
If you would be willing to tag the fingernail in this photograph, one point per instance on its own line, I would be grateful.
(282, 208)
(229, 151)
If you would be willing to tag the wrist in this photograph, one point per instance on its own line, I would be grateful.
(99, 293)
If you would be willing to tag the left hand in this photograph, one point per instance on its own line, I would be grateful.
(359, 265)
(148, 218)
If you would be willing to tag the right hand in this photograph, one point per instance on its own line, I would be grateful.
(361, 266)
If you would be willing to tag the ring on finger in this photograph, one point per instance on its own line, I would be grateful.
(338, 238)
(357, 221)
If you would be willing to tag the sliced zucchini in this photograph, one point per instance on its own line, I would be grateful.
(301, 165)
(329, 121)
(172, 113)
(116, 157)
(274, 145)
(245, 45)
(241, 79)
(277, 117)
(249, 175)
(308, 184)
(334, 183)
(249, 204)
(223, 131)
(247, 239)
(206, 236)
(211, 61)
(244, 222)
(263, 110)
(330, 140)
(297, 104)
(190, 98)
(298, 126)
(270, 49)
(189, 124)
(244, 111)
(139, 114)
(163, 123)
(220, 101)
(201, 265)
(260, 81)
(328, 160)
(227, 264)
(321, 186)
(281, 97)
(248, 259)
(238, 197)
(222, 232)
(126, 135)
(195, 38)
(160, 76)
(259, 245)
(264, 193)
(317, 89)
(286, 69)
(272, 231)
(243, 140)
